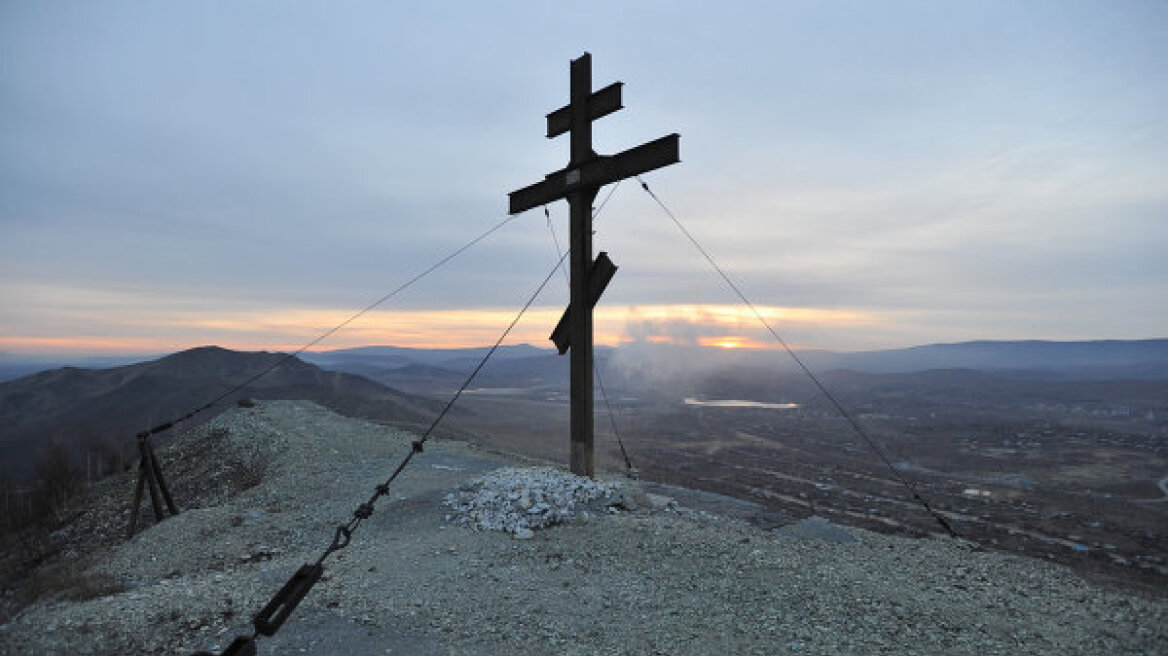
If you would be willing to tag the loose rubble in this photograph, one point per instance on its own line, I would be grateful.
(517, 500)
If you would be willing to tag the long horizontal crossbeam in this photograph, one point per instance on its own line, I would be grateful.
(598, 172)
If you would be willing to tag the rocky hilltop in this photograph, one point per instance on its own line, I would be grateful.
(85, 408)
(612, 567)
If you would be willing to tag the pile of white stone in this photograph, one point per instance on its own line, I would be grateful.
(518, 500)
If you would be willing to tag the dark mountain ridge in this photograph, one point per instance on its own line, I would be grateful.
(1027, 359)
(74, 406)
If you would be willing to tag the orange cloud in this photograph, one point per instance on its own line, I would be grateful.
(740, 315)
(82, 345)
(735, 342)
(725, 326)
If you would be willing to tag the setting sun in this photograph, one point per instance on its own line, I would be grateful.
(732, 342)
(727, 343)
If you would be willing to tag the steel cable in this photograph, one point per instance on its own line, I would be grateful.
(367, 309)
(273, 615)
(855, 425)
(630, 470)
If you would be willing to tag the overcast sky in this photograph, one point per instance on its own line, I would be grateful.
(874, 174)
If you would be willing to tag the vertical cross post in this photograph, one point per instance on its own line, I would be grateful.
(579, 183)
(580, 229)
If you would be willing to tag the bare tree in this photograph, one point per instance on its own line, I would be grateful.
(16, 501)
(103, 457)
(57, 478)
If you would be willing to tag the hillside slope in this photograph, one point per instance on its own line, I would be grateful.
(655, 576)
(76, 406)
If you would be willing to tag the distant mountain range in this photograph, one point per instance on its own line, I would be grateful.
(1094, 360)
(73, 405)
(13, 366)
(438, 371)
(527, 366)
(454, 358)
(76, 406)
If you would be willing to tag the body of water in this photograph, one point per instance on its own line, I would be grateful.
(740, 403)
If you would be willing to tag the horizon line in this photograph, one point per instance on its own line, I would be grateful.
(705, 344)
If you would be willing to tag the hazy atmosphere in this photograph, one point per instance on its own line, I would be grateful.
(257, 265)
(875, 175)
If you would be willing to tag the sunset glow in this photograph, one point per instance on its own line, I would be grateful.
(291, 329)
(164, 186)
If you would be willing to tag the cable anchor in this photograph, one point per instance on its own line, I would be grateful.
(271, 618)
(241, 646)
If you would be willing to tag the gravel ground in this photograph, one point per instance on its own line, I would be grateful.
(636, 573)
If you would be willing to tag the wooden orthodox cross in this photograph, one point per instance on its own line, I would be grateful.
(579, 182)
